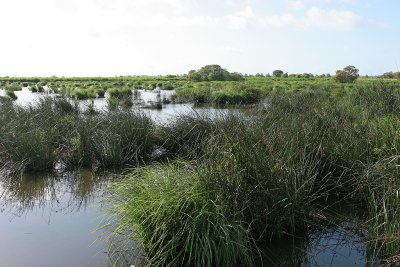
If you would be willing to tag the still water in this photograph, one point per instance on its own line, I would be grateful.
(51, 219)
(141, 101)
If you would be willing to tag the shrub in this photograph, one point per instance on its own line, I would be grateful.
(348, 75)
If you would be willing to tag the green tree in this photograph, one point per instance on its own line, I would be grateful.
(213, 73)
(194, 76)
(388, 75)
(236, 76)
(348, 75)
(277, 73)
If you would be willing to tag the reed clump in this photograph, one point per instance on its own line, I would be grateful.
(175, 220)
(37, 137)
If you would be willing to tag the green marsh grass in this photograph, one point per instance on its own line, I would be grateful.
(11, 95)
(37, 137)
(170, 214)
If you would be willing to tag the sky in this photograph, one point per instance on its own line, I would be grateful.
(159, 37)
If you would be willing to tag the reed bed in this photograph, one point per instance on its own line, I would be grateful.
(271, 168)
(56, 131)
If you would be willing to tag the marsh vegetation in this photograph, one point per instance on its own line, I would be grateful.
(216, 190)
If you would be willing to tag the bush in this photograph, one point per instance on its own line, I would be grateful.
(213, 73)
(348, 75)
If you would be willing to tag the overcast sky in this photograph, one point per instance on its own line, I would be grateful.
(134, 37)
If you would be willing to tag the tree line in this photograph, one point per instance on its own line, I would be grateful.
(216, 73)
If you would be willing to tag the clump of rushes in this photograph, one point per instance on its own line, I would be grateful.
(119, 97)
(63, 105)
(238, 95)
(82, 94)
(266, 170)
(13, 87)
(36, 88)
(187, 135)
(36, 137)
(100, 92)
(28, 136)
(123, 137)
(119, 92)
(11, 95)
(198, 95)
(174, 220)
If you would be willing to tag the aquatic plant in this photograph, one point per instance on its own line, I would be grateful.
(11, 95)
(175, 221)
(36, 137)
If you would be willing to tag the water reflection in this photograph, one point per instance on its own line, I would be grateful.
(335, 246)
(50, 219)
(58, 192)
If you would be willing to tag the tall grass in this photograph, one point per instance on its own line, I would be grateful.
(11, 95)
(176, 222)
(186, 136)
(37, 137)
(28, 136)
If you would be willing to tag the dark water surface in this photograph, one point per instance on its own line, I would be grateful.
(50, 220)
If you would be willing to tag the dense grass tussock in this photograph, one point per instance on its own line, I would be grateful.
(176, 222)
(54, 130)
(186, 136)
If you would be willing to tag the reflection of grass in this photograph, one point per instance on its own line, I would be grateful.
(52, 192)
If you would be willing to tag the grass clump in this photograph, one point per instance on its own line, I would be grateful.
(11, 95)
(237, 95)
(82, 94)
(28, 136)
(186, 136)
(171, 215)
(119, 92)
(54, 130)
(13, 87)
(119, 97)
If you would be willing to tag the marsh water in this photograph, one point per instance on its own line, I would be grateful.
(50, 219)
(142, 100)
